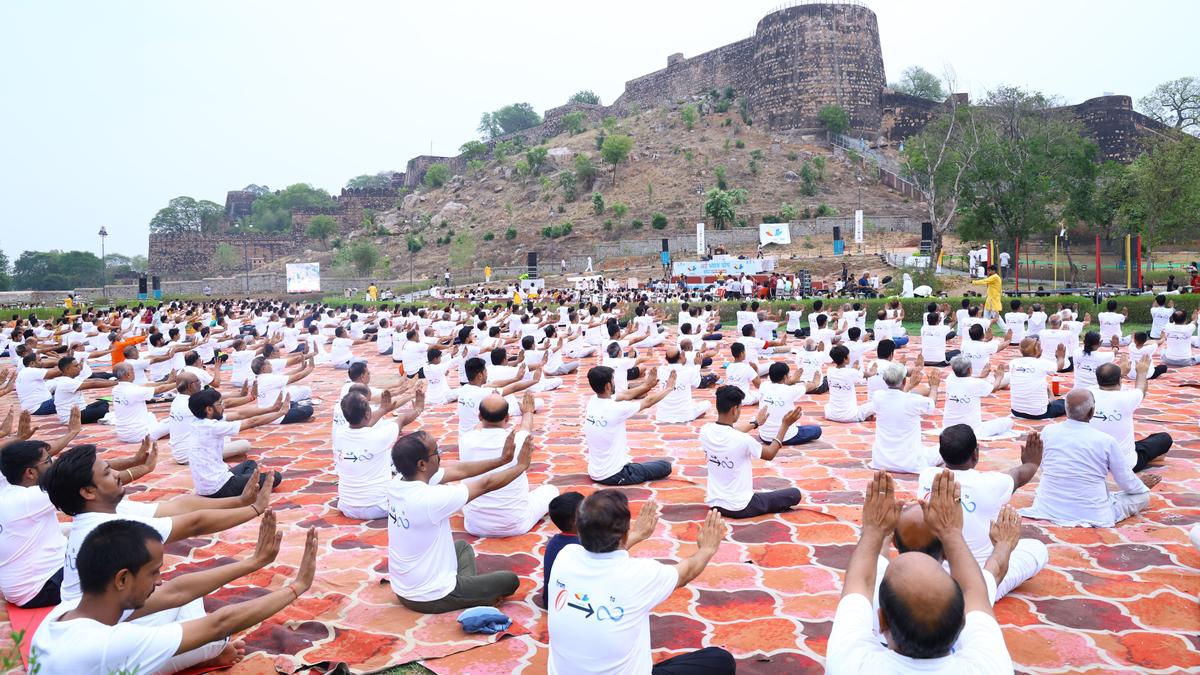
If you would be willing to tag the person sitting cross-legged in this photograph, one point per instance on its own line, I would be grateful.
(778, 397)
(1114, 413)
(515, 508)
(211, 432)
(120, 569)
(1076, 463)
(964, 397)
(898, 445)
(429, 571)
(361, 450)
(729, 452)
(604, 428)
(1029, 390)
(923, 611)
(599, 598)
(984, 495)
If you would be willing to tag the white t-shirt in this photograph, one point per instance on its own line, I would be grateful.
(843, 401)
(88, 646)
(422, 564)
(205, 456)
(1015, 321)
(181, 422)
(793, 320)
(31, 543)
(363, 459)
(67, 394)
(31, 388)
(933, 343)
(811, 363)
(503, 508)
(414, 355)
(1027, 382)
(240, 361)
(898, 430)
(677, 406)
(778, 399)
(1114, 416)
(1110, 325)
(980, 353)
(83, 524)
(984, 493)
(740, 375)
(1159, 318)
(1136, 354)
(1179, 342)
(1037, 323)
(1051, 338)
(129, 410)
(963, 400)
(339, 351)
(1086, 365)
(469, 398)
(437, 385)
(599, 611)
(855, 648)
(604, 432)
(729, 456)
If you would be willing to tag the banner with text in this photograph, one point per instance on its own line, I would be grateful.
(858, 226)
(730, 266)
(699, 238)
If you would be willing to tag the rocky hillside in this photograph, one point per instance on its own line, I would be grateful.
(496, 213)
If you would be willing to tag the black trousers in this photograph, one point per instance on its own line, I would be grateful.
(241, 475)
(633, 473)
(775, 501)
(50, 595)
(823, 389)
(707, 661)
(1150, 447)
(298, 412)
(949, 355)
(94, 412)
(1057, 408)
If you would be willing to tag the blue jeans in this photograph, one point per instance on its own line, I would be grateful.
(46, 408)
(804, 434)
(900, 341)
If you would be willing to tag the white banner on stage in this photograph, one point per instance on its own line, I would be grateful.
(303, 277)
(858, 226)
(774, 233)
(699, 238)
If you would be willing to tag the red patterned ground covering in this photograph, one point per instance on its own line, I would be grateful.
(1110, 600)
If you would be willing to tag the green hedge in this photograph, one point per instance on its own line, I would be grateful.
(1139, 306)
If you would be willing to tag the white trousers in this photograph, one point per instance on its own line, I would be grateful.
(188, 612)
(1125, 505)
(537, 506)
(993, 428)
(151, 427)
(1028, 558)
(698, 409)
(363, 513)
(1195, 535)
(860, 414)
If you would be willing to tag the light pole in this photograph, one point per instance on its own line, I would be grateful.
(103, 264)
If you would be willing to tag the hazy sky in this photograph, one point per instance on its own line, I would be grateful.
(112, 108)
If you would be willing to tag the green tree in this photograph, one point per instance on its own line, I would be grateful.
(834, 118)
(658, 221)
(1165, 186)
(57, 270)
(598, 203)
(609, 123)
(718, 205)
(585, 171)
(567, 181)
(1026, 165)
(536, 158)
(719, 172)
(1175, 104)
(575, 122)
(365, 256)
(585, 96)
(473, 149)
(475, 167)
(916, 81)
(414, 243)
(510, 233)
(272, 212)
(226, 258)
(819, 164)
(503, 149)
(938, 161)
(787, 212)
(619, 209)
(184, 214)
(367, 181)
(615, 150)
(5, 278)
(320, 227)
(436, 175)
(688, 115)
(509, 119)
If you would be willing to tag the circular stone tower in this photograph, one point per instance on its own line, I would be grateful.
(813, 55)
